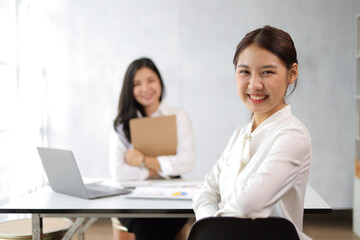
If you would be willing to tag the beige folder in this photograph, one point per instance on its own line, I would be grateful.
(154, 136)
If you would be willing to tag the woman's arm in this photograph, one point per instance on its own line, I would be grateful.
(119, 169)
(184, 159)
(207, 195)
(286, 164)
(135, 158)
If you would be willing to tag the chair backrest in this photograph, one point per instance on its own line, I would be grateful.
(230, 228)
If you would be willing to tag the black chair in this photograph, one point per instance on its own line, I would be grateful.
(231, 228)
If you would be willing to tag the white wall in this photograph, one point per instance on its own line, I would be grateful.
(89, 45)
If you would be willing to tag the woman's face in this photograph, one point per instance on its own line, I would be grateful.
(147, 89)
(262, 79)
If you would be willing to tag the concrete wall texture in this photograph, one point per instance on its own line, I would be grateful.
(89, 45)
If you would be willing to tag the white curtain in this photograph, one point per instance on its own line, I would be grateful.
(23, 100)
(8, 91)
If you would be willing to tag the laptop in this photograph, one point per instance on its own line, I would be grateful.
(64, 176)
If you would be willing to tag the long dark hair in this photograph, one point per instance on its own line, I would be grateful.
(128, 106)
(274, 40)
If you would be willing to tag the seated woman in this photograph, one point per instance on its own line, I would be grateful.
(141, 96)
(264, 169)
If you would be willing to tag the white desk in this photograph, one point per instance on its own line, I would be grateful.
(46, 203)
(314, 203)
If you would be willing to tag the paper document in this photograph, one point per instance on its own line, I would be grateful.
(162, 193)
(166, 189)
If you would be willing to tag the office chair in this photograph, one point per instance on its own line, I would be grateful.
(231, 228)
(120, 232)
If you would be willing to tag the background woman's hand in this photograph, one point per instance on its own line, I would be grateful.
(134, 157)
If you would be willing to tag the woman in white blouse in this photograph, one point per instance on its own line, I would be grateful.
(141, 96)
(264, 169)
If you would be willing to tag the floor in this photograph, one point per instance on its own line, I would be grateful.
(334, 226)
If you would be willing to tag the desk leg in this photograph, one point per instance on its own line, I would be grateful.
(84, 227)
(76, 225)
(37, 227)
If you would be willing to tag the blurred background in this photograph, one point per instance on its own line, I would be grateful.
(62, 65)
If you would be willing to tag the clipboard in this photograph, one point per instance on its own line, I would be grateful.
(154, 136)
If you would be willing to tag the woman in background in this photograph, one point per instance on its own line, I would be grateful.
(141, 96)
(264, 169)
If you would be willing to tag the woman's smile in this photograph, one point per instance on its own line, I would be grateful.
(148, 97)
(258, 98)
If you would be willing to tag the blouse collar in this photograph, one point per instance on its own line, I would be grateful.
(160, 111)
(247, 138)
(282, 113)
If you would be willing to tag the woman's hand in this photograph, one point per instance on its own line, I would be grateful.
(153, 174)
(134, 157)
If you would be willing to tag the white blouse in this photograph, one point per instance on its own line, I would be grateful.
(261, 173)
(172, 165)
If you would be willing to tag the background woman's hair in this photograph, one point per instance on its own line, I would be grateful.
(128, 106)
(274, 40)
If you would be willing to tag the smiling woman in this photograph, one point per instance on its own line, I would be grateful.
(265, 69)
(142, 96)
(264, 169)
(147, 89)
(262, 80)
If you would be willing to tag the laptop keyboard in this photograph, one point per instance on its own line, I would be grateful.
(95, 190)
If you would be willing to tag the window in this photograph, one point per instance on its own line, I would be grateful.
(7, 90)
(22, 100)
